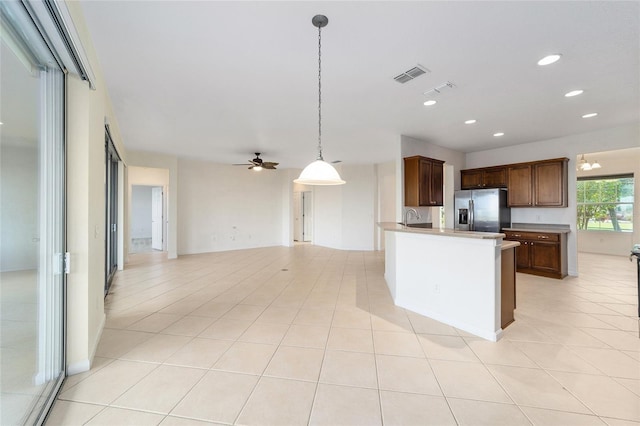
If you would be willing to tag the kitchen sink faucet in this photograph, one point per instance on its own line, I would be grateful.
(406, 215)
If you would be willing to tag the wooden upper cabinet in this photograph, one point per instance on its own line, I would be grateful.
(423, 182)
(436, 190)
(551, 183)
(538, 184)
(489, 177)
(519, 193)
(471, 179)
(495, 177)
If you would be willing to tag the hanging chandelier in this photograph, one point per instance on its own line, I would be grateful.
(320, 172)
(585, 166)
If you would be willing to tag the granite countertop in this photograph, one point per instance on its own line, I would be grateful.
(509, 244)
(550, 228)
(393, 226)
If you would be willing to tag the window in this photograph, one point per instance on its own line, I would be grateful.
(605, 203)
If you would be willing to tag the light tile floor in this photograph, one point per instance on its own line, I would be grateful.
(309, 335)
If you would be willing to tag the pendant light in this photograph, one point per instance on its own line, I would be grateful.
(319, 172)
(583, 164)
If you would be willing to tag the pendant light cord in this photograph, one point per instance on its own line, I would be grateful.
(320, 94)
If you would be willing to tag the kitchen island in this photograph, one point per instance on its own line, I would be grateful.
(454, 277)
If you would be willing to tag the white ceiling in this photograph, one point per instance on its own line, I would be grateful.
(221, 80)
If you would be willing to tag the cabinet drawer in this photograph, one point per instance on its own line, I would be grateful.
(532, 236)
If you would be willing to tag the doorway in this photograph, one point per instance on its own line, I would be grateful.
(303, 216)
(147, 219)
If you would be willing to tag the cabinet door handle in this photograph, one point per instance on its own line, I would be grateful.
(517, 235)
(543, 237)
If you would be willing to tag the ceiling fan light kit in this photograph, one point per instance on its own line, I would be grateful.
(258, 164)
(319, 172)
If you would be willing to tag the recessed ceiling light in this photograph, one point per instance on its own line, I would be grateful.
(498, 134)
(574, 93)
(592, 114)
(470, 122)
(430, 102)
(548, 60)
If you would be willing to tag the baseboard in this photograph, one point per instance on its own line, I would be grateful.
(78, 367)
(85, 364)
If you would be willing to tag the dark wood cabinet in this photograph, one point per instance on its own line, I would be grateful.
(533, 184)
(551, 183)
(540, 253)
(519, 191)
(488, 177)
(538, 184)
(423, 182)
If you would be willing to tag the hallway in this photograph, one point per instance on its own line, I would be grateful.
(309, 335)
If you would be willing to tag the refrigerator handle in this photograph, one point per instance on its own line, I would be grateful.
(472, 225)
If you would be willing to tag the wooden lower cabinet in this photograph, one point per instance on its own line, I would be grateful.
(540, 253)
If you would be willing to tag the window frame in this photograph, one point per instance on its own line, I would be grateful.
(580, 201)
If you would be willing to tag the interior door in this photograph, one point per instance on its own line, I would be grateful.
(157, 218)
(297, 217)
(307, 216)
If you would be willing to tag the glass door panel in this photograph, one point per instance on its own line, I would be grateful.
(31, 220)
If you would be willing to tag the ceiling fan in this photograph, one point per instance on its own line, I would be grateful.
(258, 164)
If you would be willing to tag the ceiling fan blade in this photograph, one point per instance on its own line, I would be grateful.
(269, 164)
(269, 167)
(241, 164)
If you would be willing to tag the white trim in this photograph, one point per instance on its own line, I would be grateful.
(78, 367)
(85, 364)
(56, 22)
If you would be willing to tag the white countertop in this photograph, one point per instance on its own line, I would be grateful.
(393, 226)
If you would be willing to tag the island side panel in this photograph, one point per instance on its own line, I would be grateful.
(450, 279)
(390, 262)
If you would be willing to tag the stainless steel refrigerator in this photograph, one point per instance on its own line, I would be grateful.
(482, 210)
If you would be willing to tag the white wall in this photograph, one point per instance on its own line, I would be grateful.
(87, 111)
(606, 242)
(19, 206)
(386, 199)
(358, 206)
(344, 214)
(570, 147)
(227, 208)
(140, 211)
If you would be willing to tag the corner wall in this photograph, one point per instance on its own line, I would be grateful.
(86, 113)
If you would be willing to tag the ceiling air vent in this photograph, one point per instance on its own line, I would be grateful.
(411, 74)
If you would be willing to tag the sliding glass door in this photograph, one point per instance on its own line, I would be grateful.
(111, 213)
(31, 220)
